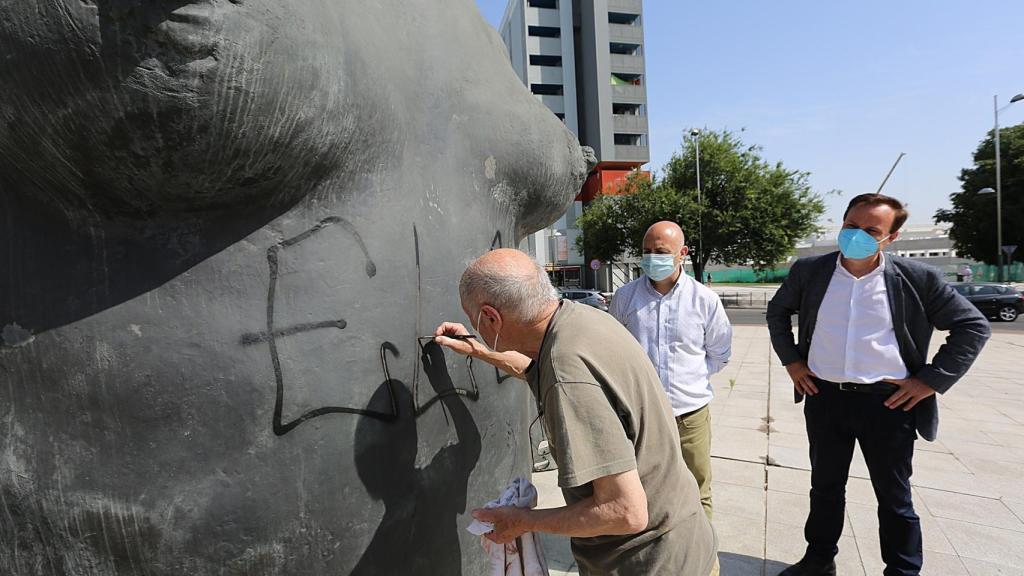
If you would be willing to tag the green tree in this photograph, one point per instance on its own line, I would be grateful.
(750, 213)
(973, 215)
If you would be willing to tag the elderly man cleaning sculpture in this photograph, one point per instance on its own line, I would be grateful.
(632, 507)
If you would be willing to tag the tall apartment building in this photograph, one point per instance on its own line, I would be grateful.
(584, 59)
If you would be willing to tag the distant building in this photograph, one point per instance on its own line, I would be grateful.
(584, 59)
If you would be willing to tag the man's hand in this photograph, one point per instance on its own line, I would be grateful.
(509, 522)
(802, 377)
(467, 347)
(910, 393)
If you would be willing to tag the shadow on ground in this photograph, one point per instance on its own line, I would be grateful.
(740, 565)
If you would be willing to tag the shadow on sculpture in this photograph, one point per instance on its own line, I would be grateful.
(84, 268)
(421, 505)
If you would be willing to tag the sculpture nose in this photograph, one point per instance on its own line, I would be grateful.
(589, 157)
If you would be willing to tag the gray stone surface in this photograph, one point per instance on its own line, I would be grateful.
(224, 226)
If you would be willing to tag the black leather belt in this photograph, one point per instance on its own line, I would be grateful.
(883, 388)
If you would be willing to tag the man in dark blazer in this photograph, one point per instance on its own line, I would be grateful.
(865, 320)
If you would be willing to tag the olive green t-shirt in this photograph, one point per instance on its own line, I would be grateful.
(605, 412)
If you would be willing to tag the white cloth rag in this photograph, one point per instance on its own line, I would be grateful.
(524, 556)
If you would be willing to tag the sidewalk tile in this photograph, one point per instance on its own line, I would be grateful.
(982, 568)
(740, 444)
(953, 482)
(939, 564)
(789, 480)
(992, 467)
(739, 535)
(736, 472)
(741, 501)
(974, 509)
(994, 545)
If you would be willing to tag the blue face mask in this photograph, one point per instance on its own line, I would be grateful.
(657, 267)
(857, 244)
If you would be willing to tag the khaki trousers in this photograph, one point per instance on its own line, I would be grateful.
(695, 443)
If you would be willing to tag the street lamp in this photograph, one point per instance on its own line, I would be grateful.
(999, 179)
(695, 133)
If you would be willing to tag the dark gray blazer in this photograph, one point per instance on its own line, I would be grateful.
(920, 300)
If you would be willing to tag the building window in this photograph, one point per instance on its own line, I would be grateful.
(623, 48)
(630, 139)
(552, 4)
(622, 79)
(544, 31)
(620, 109)
(545, 60)
(546, 89)
(623, 18)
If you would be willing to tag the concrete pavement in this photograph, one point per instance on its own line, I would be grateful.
(968, 486)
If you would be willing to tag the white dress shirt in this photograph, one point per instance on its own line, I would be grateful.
(686, 335)
(854, 339)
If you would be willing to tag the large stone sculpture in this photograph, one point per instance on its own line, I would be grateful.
(224, 226)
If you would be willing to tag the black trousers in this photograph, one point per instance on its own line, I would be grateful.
(835, 419)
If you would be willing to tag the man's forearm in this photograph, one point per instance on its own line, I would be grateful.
(587, 518)
(512, 363)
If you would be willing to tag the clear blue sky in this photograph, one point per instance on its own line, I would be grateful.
(838, 89)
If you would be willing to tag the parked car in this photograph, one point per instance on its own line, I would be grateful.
(999, 301)
(588, 297)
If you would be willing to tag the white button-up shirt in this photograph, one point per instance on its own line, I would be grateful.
(854, 339)
(686, 335)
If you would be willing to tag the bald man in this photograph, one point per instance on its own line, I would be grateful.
(631, 505)
(683, 327)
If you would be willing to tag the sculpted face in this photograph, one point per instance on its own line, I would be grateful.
(226, 225)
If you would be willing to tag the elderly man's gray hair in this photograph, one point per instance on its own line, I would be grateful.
(521, 294)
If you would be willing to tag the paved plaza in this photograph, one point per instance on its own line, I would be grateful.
(968, 484)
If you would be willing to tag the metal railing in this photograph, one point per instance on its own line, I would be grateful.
(625, 6)
(626, 63)
(628, 93)
(627, 153)
(626, 33)
(627, 123)
(746, 299)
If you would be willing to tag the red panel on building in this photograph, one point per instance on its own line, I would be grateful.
(609, 179)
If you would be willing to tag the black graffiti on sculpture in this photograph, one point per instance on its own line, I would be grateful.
(273, 334)
(431, 355)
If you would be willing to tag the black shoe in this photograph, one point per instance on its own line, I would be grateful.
(806, 568)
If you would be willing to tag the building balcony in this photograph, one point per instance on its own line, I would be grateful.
(629, 93)
(626, 6)
(542, 17)
(554, 102)
(625, 33)
(629, 124)
(626, 63)
(627, 153)
(543, 45)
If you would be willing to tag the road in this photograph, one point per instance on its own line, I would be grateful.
(755, 316)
